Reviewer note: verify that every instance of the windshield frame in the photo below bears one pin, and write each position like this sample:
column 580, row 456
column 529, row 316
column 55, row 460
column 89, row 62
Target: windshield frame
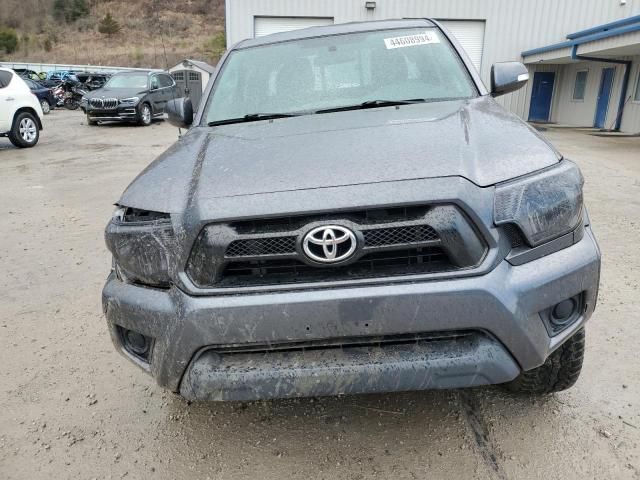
column 465, row 63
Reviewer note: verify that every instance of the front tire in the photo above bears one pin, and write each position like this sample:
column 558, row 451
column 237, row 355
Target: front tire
column 71, row 104
column 46, row 108
column 91, row 123
column 144, row 115
column 25, row 131
column 559, row 372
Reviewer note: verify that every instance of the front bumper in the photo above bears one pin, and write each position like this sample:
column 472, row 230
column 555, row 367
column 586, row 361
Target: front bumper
column 505, row 305
column 120, row 114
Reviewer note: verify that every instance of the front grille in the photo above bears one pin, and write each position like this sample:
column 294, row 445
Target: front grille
column 255, row 247
column 103, row 103
column 395, row 241
column 378, row 264
column 379, row 237
column 374, row 341
column 361, row 217
column 399, row 236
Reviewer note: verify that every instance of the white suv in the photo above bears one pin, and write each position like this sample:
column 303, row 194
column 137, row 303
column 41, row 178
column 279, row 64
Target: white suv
column 20, row 111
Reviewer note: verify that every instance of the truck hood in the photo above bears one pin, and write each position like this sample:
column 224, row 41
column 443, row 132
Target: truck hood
column 475, row 139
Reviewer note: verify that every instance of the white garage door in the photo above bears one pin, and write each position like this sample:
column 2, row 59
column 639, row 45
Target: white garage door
column 267, row 25
column 470, row 34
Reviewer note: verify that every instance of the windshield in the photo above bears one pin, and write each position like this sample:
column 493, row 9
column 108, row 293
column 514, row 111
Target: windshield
column 128, row 81
column 340, row 70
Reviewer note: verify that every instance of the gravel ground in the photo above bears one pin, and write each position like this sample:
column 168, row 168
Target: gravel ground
column 70, row 407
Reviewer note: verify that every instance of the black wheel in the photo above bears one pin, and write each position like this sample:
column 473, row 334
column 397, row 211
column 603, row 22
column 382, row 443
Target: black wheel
column 46, row 108
column 144, row 115
column 559, row 372
column 90, row 122
column 71, row 104
column 25, row 131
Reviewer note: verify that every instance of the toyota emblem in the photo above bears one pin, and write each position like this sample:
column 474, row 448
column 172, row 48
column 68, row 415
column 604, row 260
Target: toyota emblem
column 329, row 244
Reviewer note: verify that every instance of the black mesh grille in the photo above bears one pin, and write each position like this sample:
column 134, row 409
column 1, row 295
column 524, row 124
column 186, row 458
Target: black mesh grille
column 394, row 241
column 361, row 217
column 399, row 235
column 345, row 342
column 261, row 246
column 396, row 262
column 380, row 237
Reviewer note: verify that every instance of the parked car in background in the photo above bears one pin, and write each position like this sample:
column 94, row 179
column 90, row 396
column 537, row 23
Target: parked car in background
column 93, row 81
column 351, row 211
column 71, row 91
column 27, row 73
column 21, row 113
column 137, row 96
column 45, row 95
column 55, row 77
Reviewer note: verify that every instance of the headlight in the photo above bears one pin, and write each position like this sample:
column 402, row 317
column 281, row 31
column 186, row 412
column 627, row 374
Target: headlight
column 130, row 101
column 544, row 206
column 141, row 242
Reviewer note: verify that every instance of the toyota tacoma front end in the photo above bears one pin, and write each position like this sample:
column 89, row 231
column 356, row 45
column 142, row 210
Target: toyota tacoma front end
column 351, row 211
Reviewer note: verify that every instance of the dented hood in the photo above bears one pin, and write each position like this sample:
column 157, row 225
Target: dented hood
column 475, row 139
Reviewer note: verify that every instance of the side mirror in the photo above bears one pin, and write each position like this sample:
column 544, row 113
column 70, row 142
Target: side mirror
column 180, row 111
column 507, row 77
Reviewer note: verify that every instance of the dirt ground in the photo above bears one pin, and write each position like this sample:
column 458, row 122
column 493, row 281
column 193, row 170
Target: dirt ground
column 71, row 407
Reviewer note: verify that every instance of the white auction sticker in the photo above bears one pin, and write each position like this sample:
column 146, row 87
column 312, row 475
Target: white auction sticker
column 412, row 40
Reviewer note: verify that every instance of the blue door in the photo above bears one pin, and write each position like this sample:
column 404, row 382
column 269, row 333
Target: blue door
column 604, row 92
column 541, row 96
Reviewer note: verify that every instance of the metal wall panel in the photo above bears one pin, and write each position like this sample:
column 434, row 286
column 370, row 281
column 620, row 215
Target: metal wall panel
column 266, row 25
column 511, row 26
column 470, row 35
column 631, row 117
column 581, row 113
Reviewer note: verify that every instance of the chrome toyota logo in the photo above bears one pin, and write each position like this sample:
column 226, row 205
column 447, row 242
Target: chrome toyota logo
column 329, row 244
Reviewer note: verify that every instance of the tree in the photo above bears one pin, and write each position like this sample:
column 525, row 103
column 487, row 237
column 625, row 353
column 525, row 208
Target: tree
column 108, row 25
column 60, row 10
column 78, row 8
column 8, row 40
column 215, row 46
column 70, row 10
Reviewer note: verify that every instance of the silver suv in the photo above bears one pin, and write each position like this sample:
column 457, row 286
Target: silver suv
column 351, row 211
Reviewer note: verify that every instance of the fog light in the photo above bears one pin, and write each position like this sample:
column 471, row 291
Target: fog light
column 562, row 315
column 563, row 311
column 136, row 343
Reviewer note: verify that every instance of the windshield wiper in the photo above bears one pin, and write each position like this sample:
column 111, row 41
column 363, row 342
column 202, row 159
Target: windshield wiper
column 253, row 117
column 372, row 104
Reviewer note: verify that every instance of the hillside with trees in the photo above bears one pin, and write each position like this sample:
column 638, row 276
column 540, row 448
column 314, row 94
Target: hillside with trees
column 133, row 33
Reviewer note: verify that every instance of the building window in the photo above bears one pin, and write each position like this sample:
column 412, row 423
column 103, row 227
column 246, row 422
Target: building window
column 581, row 85
column 636, row 95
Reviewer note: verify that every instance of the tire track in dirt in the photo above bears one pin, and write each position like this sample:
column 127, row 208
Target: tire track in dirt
column 488, row 451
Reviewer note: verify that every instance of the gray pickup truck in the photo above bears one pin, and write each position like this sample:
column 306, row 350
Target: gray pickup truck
column 351, row 211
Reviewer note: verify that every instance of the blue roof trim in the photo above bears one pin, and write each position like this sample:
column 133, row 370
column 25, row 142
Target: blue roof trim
column 584, row 39
column 548, row 48
column 604, row 27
